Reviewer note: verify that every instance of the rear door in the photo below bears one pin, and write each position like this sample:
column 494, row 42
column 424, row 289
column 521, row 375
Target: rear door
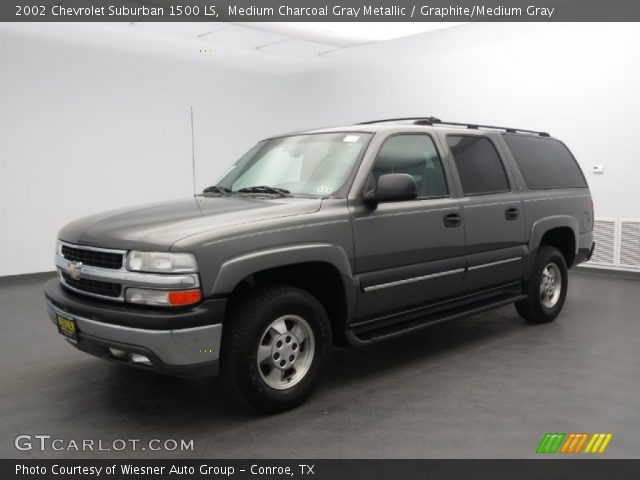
column 492, row 210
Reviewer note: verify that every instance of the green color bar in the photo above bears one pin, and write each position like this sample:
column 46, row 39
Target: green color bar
column 557, row 443
column 543, row 443
column 550, row 442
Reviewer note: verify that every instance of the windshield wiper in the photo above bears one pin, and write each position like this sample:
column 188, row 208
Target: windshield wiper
column 216, row 189
column 283, row 192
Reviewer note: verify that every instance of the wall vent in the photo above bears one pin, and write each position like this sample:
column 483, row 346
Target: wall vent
column 630, row 243
column 604, row 234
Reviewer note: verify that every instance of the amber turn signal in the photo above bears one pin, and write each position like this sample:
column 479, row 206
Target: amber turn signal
column 186, row 297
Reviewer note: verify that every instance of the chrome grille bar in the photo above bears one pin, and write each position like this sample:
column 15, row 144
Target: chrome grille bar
column 120, row 276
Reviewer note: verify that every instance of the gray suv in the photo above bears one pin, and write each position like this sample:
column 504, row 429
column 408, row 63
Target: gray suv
column 344, row 236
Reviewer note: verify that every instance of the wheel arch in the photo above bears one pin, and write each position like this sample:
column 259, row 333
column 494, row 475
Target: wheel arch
column 560, row 231
column 322, row 269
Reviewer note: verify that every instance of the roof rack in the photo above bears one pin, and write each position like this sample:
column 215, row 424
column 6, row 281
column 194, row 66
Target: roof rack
column 434, row 120
column 426, row 120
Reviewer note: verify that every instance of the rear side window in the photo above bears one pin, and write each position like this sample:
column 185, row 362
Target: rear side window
column 545, row 162
column 479, row 165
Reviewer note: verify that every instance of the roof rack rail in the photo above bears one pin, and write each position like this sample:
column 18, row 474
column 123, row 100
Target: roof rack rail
column 474, row 126
column 425, row 120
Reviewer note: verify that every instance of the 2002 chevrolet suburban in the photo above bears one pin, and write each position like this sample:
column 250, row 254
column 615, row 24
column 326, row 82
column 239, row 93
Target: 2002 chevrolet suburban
column 344, row 235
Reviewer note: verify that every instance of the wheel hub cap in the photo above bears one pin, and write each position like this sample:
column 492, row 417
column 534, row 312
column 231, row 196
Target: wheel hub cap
column 550, row 285
column 285, row 351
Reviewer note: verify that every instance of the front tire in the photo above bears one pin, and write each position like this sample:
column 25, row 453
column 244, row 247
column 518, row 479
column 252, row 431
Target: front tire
column 276, row 344
column 546, row 288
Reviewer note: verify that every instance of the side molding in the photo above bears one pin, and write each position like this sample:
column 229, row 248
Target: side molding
column 233, row 271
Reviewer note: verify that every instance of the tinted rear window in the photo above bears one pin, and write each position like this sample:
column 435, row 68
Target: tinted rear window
column 479, row 166
column 545, row 162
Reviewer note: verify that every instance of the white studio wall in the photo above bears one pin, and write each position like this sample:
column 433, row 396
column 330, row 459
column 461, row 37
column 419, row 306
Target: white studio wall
column 94, row 119
column 577, row 81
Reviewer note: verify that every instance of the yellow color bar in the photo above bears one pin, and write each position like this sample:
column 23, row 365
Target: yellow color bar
column 606, row 441
column 599, row 441
column 591, row 442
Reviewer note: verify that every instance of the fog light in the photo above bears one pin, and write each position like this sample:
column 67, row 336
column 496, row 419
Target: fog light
column 119, row 353
column 163, row 297
column 139, row 359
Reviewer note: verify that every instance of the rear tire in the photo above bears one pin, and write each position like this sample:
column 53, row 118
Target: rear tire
column 546, row 288
column 276, row 345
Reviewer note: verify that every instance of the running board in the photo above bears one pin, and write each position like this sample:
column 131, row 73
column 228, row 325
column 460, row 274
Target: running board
column 373, row 332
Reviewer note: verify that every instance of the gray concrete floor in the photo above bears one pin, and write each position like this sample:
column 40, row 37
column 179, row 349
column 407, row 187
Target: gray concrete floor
column 486, row 386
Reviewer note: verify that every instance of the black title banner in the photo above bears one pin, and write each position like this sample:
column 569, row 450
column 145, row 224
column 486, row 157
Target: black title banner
column 319, row 10
column 318, row 469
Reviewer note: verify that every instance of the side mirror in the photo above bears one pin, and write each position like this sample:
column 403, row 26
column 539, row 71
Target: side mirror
column 392, row 187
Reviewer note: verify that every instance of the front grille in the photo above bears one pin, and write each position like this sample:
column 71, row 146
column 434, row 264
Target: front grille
column 92, row 257
column 91, row 286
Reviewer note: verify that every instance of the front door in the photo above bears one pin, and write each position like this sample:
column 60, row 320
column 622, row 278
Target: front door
column 408, row 253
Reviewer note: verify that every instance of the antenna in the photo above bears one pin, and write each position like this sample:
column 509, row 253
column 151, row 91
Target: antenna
column 193, row 155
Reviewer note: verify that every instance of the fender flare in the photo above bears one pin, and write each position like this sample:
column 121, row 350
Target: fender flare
column 542, row 226
column 234, row 270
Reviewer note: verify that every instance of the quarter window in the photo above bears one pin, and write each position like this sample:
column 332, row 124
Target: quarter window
column 545, row 162
column 416, row 155
column 479, row 165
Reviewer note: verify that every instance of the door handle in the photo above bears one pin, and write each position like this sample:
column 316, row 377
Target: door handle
column 452, row 220
column 511, row 213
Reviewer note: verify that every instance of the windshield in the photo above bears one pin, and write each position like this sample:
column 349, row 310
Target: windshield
column 312, row 164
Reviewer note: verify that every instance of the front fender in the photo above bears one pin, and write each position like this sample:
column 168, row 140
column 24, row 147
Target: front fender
column 234, row 270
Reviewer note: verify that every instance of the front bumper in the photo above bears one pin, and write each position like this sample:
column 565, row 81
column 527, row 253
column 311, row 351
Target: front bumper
column 178, row 342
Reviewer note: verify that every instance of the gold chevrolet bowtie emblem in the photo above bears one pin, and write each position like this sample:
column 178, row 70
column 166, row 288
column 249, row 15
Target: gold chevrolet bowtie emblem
column 74, row 269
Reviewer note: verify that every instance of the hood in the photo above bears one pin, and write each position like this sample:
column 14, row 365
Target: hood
column 158, row 226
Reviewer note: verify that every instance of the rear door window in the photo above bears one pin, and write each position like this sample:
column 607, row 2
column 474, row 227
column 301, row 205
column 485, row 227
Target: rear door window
column 479, row 166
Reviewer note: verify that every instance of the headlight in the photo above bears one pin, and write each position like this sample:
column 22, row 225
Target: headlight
column 161, row 262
